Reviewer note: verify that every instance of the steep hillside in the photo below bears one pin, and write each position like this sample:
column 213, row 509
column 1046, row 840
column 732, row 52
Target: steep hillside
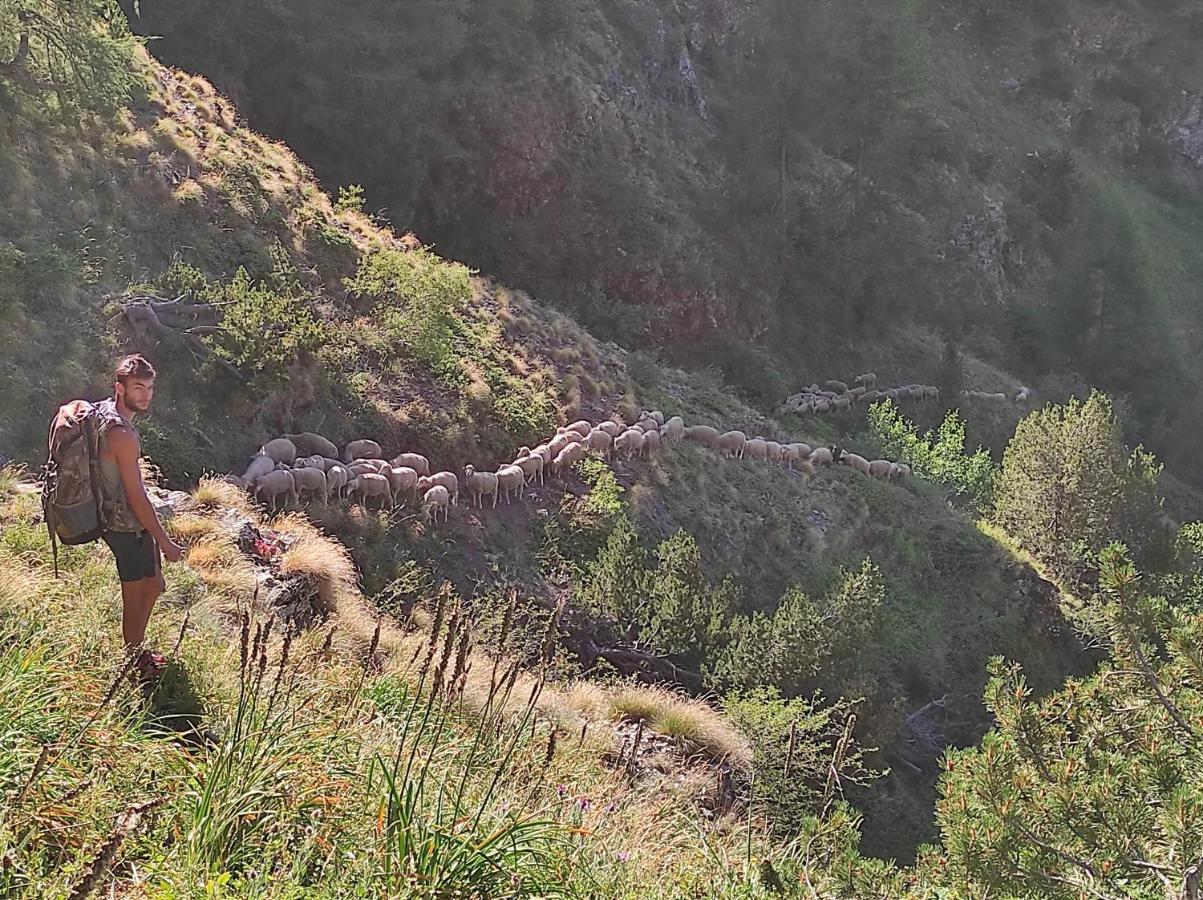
column 775, row 187
column 280, row 308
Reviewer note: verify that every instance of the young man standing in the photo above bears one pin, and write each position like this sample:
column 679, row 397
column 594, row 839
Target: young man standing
column 134, row 534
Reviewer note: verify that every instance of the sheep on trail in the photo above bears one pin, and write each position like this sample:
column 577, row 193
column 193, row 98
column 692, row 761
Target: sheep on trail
column 868, row 380
column 532, row 468
column 881, row 468
column 581, row 427
column 280, row 450
column 568, row 457
column 854, row 461
column 435, row 499
column 415, row 461
column 837, row 387
column 612, row 428
column 337, row 479
column 673, row 430
column 756, row 448
column 310, row 444
column 733, row 444
column 478, row 484
column 275, row 484
column 402, row 481
column 702, row 434
column 600, row 441
column 627, row 444
column 369, row 485
column 443, row 479
column 362, row 449
column 651, row 442
column 260, row 465
column 311, row 482
column 511, row 481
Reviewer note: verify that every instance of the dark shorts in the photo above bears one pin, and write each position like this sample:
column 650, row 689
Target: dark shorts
column 136, row 552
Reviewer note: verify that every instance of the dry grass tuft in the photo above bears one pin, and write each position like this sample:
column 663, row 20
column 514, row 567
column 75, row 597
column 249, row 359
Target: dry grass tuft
column 220, row 565
column 213, row 493
column 189, row 192
column 694, row 723
column 318, row 557
column 191, row 529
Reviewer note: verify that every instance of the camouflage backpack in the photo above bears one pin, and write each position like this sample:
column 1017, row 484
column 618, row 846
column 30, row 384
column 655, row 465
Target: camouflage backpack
column 75, row 509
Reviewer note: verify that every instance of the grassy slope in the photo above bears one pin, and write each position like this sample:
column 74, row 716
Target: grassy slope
column 179, row 176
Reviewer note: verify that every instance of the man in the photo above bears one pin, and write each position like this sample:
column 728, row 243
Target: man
column 135, row 534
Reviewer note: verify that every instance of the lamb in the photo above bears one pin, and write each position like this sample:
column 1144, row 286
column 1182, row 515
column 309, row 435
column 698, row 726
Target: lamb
column 562, row 440
column 371, row 484
column 651, row 442
column 281, row 450
column 854, row 461
column 582, row 427
column 881, row 468
column 274, row 484
column 511, row 480
column 480, row 483
column 415, row 461
column 702, row 434
column 822, row 456
column 673, row 430
column 628, row 443
column 311, row 482
column 402, row 480
column 774, row 452
column 260, row 465
column 756, row 448
column 796, row 453
column 444, row 479
column 362, row 449
column 838, row 387
column 868, row 380
column 532, row 467
column 436, row 498
column 612, row 428
column 337, row 478
column 600, row 441
column 733, row 443
column 310, row 444
column 567, row 457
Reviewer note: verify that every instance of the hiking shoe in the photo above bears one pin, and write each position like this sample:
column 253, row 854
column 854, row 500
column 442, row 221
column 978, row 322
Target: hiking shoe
column 148, row 668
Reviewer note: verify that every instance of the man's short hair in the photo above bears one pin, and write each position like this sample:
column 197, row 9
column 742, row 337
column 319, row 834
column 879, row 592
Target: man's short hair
column 134, row 366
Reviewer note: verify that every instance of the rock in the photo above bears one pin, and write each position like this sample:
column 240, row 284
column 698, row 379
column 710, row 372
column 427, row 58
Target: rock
column 1184, row 131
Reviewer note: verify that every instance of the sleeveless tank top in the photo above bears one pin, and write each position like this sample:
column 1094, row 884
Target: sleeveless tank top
column 117, row 508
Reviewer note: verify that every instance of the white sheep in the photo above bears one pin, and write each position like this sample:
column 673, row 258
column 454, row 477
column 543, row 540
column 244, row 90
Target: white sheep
column 702, row 434
column 415, row 461
column 842, row 403
column 733, row 443
column 532, row 467
column 868, row 380
column 854, row 461
column 581, row 427
column 881, row 468
column 371, row 484
column 337, row 479
column 511, row 481
column 658, row 416
column 774, row 451
column 837, row 387
column 562, row 440
column 1023, row 395
column 612, row 428
column 402, row 481
column 436, row 498
column 281, row 450
column 275, row 484
column 651, row 442
column 362, row 449
column 310, row 444
column 673, row 430
column 310, row 462
column 478, row 484
column 757, row 448
column 445, row 479
column 900, row 470
column 822, row 456
column 374, row 466
column 628, row 443
column 600, row 441
column 311, row 482
column 260, row 465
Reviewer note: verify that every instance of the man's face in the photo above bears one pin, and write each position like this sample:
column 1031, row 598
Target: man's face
column 136, row 393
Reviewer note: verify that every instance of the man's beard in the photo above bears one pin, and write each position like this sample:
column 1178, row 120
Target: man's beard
column 132, row 407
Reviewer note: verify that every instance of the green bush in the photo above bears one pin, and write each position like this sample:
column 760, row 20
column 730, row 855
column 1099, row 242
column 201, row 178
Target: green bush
column 416, row 295
column 1067, row 488
column 940, row 457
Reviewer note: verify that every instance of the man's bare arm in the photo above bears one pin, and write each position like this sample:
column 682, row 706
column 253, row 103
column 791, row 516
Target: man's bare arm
column 124, row 445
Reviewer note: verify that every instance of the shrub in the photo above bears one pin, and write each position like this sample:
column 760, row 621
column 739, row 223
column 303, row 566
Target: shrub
column 1066, row 488
column 416, row 296
column 350, row 198
column 939, row 457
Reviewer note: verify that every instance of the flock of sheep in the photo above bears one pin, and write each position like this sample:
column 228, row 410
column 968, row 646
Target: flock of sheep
column 835, row 396
column 308, row 466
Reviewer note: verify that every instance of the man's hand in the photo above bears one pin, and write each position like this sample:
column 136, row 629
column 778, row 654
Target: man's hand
column 172, row 550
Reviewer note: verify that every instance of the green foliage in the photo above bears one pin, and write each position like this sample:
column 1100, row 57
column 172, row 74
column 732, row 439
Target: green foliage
column 1066, row 488
column 795, row 744
column 37, row 277
column 940, row 457
column 1095, row 790
column 415, row 295
column 71, row 55
column 266, row 326
column 350, row 198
